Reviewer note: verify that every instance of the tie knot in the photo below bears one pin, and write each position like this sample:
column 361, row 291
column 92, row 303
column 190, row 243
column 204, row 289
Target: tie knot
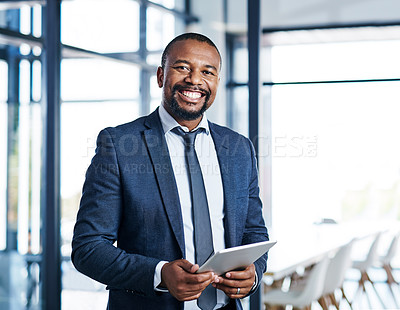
column 189, row 137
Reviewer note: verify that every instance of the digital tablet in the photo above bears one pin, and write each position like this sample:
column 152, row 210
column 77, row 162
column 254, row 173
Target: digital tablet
column 235, row 258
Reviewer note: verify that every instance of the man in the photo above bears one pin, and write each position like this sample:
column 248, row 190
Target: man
column 142, row 191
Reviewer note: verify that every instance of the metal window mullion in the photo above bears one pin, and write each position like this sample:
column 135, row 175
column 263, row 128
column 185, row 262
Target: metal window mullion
column 253, row 33
column 51, row 262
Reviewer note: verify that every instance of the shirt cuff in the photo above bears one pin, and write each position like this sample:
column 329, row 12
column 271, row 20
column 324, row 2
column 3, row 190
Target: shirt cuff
column 157, row 277
column 254, row 284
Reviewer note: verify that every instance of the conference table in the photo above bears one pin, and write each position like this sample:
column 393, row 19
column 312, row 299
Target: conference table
column 304, row 246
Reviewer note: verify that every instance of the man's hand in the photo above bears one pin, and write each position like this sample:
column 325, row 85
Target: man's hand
column 233, row 280
column 182, row 282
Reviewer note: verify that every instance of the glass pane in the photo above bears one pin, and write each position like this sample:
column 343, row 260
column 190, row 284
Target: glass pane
column 3, row 153
column 240, row 68
column 155, row 93
column 37, row 21
column 240, row 110
column 3, row 81
column 336, row 61
column 102, row 26
column 3, row 19
column 25, row 20
column 93, row 79
column 23, row 157
column 154, row 59
column 180, row 5
column 14, row 280
column 80, row 124
column 241, row 65
column 167, row 3
column 335, row 150
column 20, row 156
column 160, row 29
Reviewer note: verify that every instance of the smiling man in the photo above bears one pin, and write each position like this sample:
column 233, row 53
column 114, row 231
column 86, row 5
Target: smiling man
column 171, row 189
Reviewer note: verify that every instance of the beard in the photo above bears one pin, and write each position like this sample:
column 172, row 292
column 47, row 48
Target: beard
column 182, row 113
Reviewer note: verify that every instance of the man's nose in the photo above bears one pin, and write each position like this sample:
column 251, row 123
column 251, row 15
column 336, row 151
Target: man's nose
column 194, row 77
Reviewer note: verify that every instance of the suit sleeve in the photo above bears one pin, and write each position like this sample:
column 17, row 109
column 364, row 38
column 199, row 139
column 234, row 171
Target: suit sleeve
column 255, row 230
column 96, row 229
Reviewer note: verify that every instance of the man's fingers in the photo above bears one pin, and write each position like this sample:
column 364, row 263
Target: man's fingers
column 191, row 297
column 185, row 265
column 233, row 292
column 194, row 268
column 181, row 282
column 190, row 268
column 236, row 284
column 242, row 274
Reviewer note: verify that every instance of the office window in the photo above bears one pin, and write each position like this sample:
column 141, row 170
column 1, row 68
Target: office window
column 333, row 129
column 336, row 61
column 334, row 152
column 96, row 94
column 95, row 79
column 160, row 27
column 101, row 26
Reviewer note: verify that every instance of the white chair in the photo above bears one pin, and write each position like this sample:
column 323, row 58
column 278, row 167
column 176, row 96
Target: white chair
column 363, row 265
column 300, row 299
column 385, row 262
column 335, row 275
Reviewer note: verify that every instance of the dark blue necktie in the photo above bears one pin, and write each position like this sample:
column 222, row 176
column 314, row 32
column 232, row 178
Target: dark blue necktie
column 203, row 243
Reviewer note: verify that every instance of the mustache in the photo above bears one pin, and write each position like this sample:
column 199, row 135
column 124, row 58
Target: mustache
column 178, row 87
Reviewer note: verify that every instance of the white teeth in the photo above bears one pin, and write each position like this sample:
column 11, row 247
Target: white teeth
column 192, row 95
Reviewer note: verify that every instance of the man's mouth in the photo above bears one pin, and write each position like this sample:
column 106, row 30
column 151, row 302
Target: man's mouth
column 191, row 94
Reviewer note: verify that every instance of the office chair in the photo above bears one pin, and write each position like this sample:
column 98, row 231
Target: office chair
column 335, row 275
column 300, row 299
column 363, row 265
column 385, row 262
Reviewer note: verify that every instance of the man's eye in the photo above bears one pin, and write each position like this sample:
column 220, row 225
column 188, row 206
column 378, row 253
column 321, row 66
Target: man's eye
column 208, row 73
column 183, row 68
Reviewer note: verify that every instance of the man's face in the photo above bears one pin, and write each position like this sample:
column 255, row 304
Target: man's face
column 190, row 79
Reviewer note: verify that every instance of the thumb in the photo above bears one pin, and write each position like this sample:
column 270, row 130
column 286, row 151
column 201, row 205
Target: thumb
column 188, row 266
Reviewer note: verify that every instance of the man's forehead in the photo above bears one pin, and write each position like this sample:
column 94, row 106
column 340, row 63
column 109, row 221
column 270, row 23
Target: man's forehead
column 186, row 50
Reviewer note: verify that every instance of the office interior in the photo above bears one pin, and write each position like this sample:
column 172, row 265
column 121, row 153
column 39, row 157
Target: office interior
column 314, row 84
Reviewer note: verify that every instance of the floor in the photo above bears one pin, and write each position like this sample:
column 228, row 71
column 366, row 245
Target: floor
column 370, row 300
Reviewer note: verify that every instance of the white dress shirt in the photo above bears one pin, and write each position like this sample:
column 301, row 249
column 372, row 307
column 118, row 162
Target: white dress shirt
column 207, row 156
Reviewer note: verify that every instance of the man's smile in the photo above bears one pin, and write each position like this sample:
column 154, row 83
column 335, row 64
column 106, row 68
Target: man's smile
column 191, row 94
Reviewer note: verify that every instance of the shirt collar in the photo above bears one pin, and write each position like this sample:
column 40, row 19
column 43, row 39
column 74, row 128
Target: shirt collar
column 168, row 122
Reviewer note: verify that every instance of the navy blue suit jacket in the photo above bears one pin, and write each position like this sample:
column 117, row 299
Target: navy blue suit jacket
column 130, row 216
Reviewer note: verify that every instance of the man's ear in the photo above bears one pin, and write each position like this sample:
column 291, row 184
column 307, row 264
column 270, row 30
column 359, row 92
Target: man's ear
column 160, row 77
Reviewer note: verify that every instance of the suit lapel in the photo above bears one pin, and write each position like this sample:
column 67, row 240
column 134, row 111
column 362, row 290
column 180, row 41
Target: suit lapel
column 226, row 165
column 158, row 150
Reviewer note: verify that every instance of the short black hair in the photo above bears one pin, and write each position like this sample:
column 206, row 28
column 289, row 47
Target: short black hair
column 188, row 36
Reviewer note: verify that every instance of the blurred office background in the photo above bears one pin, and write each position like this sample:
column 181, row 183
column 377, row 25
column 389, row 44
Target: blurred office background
column 322, row 108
